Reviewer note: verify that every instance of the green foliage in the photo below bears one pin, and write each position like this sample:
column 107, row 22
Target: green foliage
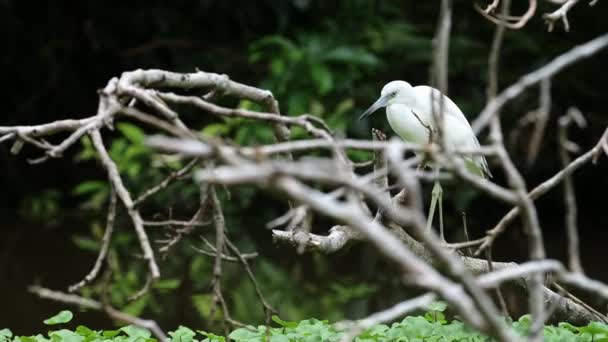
column 314, row 73
column 306, row 330
column 62, row 317
column 182, row 334
column 44, row 206
column 5, row 335
column 435, row 313
column 412, row 328
column 310, row 67
column 138, row 166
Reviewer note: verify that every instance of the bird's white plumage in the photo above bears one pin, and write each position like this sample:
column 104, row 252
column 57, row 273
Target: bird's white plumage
column 409, row 109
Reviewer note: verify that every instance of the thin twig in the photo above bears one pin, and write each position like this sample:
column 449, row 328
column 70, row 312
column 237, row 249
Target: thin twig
column 466, row 233
column 497, row 291
column 268, row 309
column 174, row 175
column 224, row 256
column 560, row 13
column 574, row 258
column 187, row 228
column 220, row 230
column 504, row 20
column 105, row 245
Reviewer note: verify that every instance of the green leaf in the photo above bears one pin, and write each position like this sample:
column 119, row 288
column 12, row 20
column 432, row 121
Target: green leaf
column 568, row 326
column 64, row 335
column 595, row 328
column 62, row 317
column 133, row 331
column 243, row 104
column 86, row 243
column 351, row 56
column 246, row 334
column 322, row 77
column 277, row 67
column 5, row 334
column 344, row 106
column 273, row 41
column 182, row 334
column 87, row 152
column 286, row 324
column 133, row 133
column 216, row 129
column 86, row 332
column 167, row 284
column 110, row 333
column 279, row 338
column 203, row 303
column 88, row 187
column 136, row 307
column 437, row 306
column 212, row 337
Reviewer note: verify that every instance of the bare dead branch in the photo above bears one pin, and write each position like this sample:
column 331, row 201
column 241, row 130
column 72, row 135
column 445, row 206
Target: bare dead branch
column 153, row 121
column 337, row 238
column 305, row 121
column 125, row 197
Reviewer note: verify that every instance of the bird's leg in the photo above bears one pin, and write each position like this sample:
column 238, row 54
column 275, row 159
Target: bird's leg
column 440, row 196
column 436, row 196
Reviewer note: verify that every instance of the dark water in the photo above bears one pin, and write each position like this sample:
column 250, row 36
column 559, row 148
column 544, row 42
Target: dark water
column 34, row 254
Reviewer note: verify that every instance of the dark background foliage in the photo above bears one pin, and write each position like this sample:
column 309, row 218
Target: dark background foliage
column 329, row 58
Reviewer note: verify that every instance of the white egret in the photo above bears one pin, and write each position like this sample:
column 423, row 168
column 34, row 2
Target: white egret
column 409, row 111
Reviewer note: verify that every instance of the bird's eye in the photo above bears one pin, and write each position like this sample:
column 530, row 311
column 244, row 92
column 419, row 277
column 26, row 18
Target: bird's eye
column 394, row 94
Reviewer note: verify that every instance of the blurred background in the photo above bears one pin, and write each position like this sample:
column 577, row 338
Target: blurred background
column 328, row 58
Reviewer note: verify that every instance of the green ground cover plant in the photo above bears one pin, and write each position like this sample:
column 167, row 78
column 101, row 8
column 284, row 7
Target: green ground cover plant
column 432, row 326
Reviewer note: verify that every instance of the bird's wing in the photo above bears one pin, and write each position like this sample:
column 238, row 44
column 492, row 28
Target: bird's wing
column 449, row 107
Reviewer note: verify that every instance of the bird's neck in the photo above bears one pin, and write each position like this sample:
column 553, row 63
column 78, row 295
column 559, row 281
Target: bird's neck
column 406, row 100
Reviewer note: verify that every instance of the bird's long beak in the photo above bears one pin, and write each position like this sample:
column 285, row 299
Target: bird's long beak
column 381, row 102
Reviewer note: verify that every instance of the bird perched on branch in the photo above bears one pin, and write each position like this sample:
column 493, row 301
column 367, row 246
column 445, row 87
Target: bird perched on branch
column 411, row 111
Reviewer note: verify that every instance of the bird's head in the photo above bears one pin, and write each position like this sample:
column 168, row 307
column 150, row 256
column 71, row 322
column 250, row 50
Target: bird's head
column 392, row 92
